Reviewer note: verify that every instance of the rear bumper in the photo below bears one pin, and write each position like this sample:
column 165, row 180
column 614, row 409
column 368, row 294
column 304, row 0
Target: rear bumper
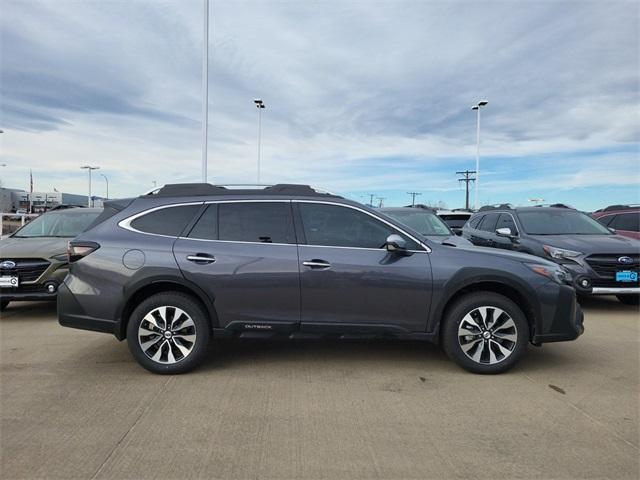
column 71, row 314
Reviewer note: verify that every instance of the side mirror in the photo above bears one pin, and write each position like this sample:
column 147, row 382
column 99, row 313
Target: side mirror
column 612, row 230
column 395, row 243
column 504, row 232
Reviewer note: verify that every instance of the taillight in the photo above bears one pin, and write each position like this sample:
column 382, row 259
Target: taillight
column 78, row 250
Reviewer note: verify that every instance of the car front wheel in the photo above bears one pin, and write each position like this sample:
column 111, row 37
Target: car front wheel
column 168, row 333
column 485, row 332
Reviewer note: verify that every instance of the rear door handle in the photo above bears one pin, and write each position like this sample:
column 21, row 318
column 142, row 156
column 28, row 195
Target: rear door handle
column 315, row 263
column 201, row 258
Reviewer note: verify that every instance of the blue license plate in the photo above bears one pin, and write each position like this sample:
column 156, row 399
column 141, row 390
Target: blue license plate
column 626, row 276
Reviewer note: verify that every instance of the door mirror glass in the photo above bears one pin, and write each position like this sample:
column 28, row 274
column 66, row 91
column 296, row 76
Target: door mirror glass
column 504, row 232
column 395, row 243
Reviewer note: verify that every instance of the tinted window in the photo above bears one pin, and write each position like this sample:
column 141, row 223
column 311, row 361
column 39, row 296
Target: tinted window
column 560, row 222
column 627, row 221
column 268, row 222
column 489, row 222
column 169, row 221
column 426, row 223
column 336, row 226
column 473, row 223
column 207, row 225
column 506, row 221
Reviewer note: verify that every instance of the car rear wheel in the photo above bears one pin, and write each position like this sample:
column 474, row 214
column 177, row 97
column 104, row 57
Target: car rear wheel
column 169, row 333
column 629, row 299
column 3, row 305
column 485, row 332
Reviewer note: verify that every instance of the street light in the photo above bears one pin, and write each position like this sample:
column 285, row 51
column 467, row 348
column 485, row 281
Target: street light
column 106, row 180
column 259, row 105
column 89, row 167
column 205, row 89
column 477, row 107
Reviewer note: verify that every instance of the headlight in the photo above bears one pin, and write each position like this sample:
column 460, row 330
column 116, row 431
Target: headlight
column 558, row 274
column 61, row 257
column 560, row 253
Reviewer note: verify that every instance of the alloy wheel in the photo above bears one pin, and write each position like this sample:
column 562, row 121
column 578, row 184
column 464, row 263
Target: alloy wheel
column 487, row 335
column 167, row 334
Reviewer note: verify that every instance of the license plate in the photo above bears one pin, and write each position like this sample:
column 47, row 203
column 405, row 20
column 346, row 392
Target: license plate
column 9, row 282
column 626, row 276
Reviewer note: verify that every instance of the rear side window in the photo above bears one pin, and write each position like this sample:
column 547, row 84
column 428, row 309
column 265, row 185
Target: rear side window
column 267, row 222
column 170, row 221
column 489, row 222
column 473, row 223
column 206, row 227
column 606, row 220
column 627, row 221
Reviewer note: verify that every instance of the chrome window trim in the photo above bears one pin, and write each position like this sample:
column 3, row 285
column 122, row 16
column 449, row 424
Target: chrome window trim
column 353, row 207
column 126, row 223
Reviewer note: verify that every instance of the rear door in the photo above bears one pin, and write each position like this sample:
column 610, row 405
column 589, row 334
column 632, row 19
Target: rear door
column 349, row 281
column 244, row 255
column 484, row 235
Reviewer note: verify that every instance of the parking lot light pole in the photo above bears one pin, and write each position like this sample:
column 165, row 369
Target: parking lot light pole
column 89, row 167
column 477, row 108
column 259, row 105
column 205, row 89
column 106, row 180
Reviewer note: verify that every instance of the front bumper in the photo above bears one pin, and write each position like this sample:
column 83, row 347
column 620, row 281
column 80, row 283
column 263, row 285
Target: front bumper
column 71, row 314
column 562, row 318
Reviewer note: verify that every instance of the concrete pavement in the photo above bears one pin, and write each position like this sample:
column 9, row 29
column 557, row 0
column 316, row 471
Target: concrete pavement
column 74, row 404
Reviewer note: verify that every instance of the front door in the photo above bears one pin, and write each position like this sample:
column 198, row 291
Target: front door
column 244, row 255
column 350, row 281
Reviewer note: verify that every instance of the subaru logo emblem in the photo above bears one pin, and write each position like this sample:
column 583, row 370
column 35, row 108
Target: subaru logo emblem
column 625, row 260
column 7, row 265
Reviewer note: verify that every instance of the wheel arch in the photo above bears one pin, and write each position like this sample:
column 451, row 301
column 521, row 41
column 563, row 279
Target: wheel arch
column 141, row 290
column 509, row 288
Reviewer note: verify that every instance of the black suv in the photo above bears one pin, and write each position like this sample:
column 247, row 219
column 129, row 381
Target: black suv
column 169, row 270
column 600, row 262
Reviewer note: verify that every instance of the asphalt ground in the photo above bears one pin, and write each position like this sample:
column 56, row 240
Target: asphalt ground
column 74, row 404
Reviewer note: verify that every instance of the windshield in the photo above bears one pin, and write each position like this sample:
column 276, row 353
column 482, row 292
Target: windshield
column 554, row 222
column 425, row 223
column 58, row 224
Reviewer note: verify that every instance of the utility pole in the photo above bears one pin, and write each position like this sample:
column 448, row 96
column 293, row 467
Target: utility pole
column 371, row 195
column 413, row 197
column 466, row 179
column 380, row 201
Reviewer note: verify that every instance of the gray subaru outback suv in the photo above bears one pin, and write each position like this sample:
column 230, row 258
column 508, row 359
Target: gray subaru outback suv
column 169, row 270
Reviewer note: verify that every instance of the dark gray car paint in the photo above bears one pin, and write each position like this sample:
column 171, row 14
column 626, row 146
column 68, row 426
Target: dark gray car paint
column 259, row 283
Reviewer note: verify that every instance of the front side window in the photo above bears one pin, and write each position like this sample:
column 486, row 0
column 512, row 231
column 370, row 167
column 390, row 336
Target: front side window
column 560, row 222
column 265, row 222
column 506, row 221
column 170, row 221
column 629, row 222
column 58, row 224
column 337, row 226
column 489, row 222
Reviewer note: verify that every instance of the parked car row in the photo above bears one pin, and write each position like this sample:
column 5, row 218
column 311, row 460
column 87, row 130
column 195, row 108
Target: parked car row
column 170, row 269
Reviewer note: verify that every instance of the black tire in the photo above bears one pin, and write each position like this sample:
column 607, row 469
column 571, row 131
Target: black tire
column 497, row 341
column 172, row 346
column 3, row 305
column 629, row 299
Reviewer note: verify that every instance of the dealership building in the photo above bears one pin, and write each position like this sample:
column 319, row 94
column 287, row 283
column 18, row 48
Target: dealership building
column 12, row 199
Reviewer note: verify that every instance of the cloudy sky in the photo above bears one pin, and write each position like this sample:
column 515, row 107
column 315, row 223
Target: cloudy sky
column 362, row 96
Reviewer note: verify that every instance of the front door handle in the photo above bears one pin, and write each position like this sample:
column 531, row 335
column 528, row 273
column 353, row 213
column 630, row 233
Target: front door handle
column 201, row 258
column 315, row 263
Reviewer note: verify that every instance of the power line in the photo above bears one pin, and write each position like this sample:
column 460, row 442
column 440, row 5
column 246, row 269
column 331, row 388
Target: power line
column 413, row 197
column 467, row 179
